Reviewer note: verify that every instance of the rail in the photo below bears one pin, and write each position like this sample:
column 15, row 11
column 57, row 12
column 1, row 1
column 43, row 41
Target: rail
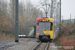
column 40, row 43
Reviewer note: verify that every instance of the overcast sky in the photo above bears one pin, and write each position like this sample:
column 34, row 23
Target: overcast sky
column 67, row 8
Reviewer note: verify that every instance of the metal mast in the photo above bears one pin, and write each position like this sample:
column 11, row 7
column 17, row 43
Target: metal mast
column 60, row 17
column 51, row 12
column 46, row 8
column 16, row 21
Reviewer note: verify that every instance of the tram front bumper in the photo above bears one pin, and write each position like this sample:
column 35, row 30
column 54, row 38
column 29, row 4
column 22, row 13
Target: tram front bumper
column 44, row 37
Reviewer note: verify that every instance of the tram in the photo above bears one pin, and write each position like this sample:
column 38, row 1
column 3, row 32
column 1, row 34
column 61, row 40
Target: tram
column 44, row 29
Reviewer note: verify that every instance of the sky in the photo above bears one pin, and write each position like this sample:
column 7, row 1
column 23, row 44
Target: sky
column 67, row 8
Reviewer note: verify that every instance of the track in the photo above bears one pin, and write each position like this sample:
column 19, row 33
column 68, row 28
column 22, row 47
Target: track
column 41, row 46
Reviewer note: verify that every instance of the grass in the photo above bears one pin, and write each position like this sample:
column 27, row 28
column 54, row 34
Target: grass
column 9, row 38
column 67, row 37
column 6, row 38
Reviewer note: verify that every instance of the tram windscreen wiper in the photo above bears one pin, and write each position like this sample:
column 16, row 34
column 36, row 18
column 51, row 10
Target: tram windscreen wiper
column 46, row 28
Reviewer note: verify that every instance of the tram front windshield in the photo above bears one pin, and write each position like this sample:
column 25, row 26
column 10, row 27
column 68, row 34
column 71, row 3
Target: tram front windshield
column 44, row 26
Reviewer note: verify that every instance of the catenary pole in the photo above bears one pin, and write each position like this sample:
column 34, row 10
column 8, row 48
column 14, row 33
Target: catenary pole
column 60, row 17
column 70, row 18
column 51, row 12
column 16, row 22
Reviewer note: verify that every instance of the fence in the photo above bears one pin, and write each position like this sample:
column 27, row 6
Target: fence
column 68, row 21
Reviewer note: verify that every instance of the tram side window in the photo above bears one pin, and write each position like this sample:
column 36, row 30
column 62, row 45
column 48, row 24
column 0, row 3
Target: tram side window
column 51, row 26
column 38, row 23
column 38, row 26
